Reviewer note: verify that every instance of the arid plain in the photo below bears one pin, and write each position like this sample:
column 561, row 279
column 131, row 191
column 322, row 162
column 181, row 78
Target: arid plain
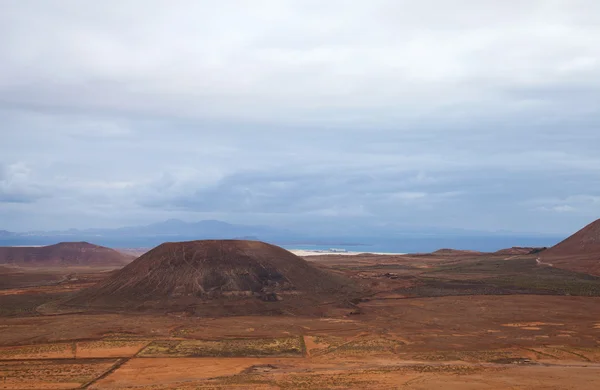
column 450, row 319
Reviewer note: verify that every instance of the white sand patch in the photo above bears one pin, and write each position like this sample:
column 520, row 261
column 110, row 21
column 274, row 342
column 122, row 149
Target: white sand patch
column 304, row 253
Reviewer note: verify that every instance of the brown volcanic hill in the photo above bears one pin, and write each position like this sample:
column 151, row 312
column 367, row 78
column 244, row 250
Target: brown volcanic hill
column 585, row 241
column 218, row 277
column 519, row 250
column 63, row 254
column 579, row 252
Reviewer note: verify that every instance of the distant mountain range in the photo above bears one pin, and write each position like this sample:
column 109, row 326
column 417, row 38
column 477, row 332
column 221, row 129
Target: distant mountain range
column 172, row 229
column 393, row 238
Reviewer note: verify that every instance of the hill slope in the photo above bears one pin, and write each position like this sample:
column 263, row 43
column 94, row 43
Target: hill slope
column 217, row 277
column 519, row 250
column 579, row 252
column 63, row 254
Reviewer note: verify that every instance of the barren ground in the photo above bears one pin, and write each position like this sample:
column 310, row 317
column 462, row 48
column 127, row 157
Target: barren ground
column 430, row 321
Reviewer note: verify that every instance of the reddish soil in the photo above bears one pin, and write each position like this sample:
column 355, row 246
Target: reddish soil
column 461, row 321
column 450, row 342
column 63, row 254
column 167, row 371
column 107, row 349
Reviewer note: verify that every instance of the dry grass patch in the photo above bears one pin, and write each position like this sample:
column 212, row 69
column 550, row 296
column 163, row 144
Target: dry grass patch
column 51, row 374
column 42, row 351
column 469, row 356
column 381, row 378
column 361, row 346
column 565, row 353
column 285, row 346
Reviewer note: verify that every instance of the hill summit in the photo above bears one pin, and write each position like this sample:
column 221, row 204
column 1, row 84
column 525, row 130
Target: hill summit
column 63, row 254
column 579, row 252
column 216, row 277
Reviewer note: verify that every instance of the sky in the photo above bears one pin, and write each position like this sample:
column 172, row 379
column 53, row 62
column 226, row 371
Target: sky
column 469, row 114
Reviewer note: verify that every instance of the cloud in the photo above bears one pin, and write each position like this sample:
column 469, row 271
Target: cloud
column 291, row 62
column 295, row 191
column 15, row 185
column 579, row 204
column 558, row 209
column 463, row 114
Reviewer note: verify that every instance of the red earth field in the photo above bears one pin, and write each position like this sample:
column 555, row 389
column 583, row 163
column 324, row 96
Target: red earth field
column 446, row 320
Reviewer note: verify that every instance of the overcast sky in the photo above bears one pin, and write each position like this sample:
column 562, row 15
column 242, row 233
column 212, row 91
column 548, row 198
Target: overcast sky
column 473, row 114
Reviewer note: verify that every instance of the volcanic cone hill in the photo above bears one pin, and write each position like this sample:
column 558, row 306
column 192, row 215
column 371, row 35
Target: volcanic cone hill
column 580, row 252
column 63, row 254
column 217, row 277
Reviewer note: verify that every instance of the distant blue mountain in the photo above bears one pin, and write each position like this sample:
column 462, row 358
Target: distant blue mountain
column 176, row 227
column 207, row 228
column 390, row 238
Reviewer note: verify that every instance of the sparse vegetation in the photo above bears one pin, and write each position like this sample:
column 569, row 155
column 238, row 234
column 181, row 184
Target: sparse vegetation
column 500, row 277
column 362, row 346
column 290, row 346
column 25, row 304
column 36, row 351
column 27, row 374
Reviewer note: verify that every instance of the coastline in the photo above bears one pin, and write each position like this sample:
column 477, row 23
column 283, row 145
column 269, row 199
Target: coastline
column 305, row 253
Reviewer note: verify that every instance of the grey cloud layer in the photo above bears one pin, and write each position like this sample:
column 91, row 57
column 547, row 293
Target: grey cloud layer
column 478, row 114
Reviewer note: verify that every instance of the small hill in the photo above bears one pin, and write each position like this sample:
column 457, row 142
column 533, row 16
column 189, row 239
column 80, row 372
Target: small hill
column 579, row 252
column 218, row 277
column 63, row 254
column 519, row 250
column 455, row 252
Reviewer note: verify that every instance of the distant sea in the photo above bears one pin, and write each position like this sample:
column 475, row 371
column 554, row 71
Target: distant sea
column 368, row 244
column 430, row 244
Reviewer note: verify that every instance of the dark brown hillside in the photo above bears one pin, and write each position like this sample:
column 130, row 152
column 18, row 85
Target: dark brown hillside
column 218, row 277
column 580, row 252
column 63, row 254
column 519, row 250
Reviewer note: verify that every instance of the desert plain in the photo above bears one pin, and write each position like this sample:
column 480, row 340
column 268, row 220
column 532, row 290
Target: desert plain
column 450, row 319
